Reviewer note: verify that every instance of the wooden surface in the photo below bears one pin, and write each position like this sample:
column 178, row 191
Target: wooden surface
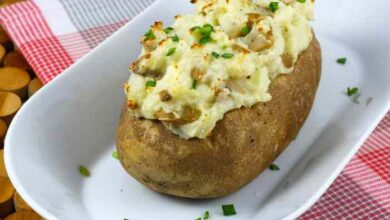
column 24, row 215
column 3, row 131
column 3, row 173
column 15, row 87
column 11, row 1
column 20, row 204
column 4, row 38
column 14, row 59
column 34, row 86
column 6, row 196
column 2, row 53
column 10, row 103
column 14, row 80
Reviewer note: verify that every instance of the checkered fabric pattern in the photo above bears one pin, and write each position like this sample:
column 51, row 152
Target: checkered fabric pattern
column 53, row 34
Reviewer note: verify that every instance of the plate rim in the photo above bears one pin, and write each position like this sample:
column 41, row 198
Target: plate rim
column 7, row 152
column 326, row 185
column 47, row 215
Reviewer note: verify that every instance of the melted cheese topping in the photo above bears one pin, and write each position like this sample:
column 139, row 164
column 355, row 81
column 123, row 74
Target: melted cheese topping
column 221, row 58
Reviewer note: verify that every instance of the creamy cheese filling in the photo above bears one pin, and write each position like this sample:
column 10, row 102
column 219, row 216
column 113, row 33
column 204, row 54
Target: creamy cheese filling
column 222, row 57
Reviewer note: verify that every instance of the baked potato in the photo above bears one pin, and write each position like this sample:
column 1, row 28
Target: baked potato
column 241, row 146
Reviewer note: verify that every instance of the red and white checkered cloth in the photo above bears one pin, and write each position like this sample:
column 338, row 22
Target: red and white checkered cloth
column 53, row 34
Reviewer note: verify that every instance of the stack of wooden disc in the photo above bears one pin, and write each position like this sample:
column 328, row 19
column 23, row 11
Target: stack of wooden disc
column 17, row 83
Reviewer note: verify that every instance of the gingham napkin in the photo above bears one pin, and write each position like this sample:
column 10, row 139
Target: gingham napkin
column 53, row 34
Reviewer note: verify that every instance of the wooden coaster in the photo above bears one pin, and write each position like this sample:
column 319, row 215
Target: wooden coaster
column 16, row 48
column 24, row 215
column 3, row 131
column 2, row 53
column 34, row 86
column 3, row 172
column 3, row 5
column 11, row 1
column 15, row 59
column 20, row 204
column 4, row 38
column 6, row 196
column 9, row 105
column 14, row 80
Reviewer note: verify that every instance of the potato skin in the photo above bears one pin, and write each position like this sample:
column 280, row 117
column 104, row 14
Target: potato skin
column 241, row 146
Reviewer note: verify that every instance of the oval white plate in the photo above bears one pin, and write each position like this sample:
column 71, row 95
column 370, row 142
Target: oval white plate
column 72, row 121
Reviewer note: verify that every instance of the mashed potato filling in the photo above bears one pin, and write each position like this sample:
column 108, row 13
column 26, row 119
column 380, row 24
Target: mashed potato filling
column 221, row 58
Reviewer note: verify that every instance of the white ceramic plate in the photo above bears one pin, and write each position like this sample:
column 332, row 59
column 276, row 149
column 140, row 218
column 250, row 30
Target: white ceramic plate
column 73, row 120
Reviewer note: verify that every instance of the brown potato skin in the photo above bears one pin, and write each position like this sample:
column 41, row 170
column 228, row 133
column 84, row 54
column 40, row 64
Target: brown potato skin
column 241, row 146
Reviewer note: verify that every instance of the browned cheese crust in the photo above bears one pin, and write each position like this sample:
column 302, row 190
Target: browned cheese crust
column 240, row 147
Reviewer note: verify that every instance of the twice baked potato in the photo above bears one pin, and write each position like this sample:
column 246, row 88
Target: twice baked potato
column 240, row 146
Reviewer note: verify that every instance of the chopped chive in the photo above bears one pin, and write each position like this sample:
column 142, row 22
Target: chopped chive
column 171, row 51
column 84, row 171
column 151, row 83
column 206, row 215
column 206, row 30
column 273, row 6
column 352, row 91
column 199, row 218
column 301, row 1
column 168, row 30
column 342, row 60
column 194, row 84
column 149, row 35
column 245, row 30
column 175, row 38
column 228, row 210
column 205, row 40
column 224, row 47
column 194, row 28
column 115, row 155
column 274, row 167
column 215, row 54
column 227, row 55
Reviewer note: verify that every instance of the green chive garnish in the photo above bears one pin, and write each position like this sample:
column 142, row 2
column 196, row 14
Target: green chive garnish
column 301, row 1
column 227, row 55
column 228, row 210
column 204, row 40
column 245, row 30
column 199, row 218
column 168, row 30
column 171, row 51
column 274, row 167
column 194, row 28
column 206, row 215
column 149, row 35
column 342, row 60
column 175, row 38
column 206, row 30
column 224, row 47
column 151, row 83
column 273, row 6
column 215, row 54
column 84, row 171
column 352, row 91
column 115, row 155
column 194, row 84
